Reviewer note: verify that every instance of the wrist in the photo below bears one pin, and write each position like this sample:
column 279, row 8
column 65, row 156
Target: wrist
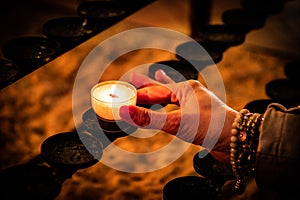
column 243, row 146
column 221, row 150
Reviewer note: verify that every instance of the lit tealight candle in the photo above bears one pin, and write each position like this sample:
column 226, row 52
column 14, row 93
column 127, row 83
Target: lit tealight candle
column 107, row 98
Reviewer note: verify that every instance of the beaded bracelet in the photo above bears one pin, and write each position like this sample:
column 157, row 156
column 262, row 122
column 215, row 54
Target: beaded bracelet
column 243, row 146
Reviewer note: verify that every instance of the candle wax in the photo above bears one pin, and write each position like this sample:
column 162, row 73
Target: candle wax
column 108, row 98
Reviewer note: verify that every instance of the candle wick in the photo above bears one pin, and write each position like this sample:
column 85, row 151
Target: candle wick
column 113, row 95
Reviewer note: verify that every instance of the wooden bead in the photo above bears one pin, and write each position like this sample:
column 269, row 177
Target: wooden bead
column 233, row 150
column 233, row 139
column 234, row 131
column 233, row 145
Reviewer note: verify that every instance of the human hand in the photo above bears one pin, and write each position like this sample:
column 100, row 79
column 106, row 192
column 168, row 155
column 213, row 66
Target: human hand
column 202, row 118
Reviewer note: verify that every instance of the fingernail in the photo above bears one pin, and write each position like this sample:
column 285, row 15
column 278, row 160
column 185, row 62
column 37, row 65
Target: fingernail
column 161, row 71
column 127, row 112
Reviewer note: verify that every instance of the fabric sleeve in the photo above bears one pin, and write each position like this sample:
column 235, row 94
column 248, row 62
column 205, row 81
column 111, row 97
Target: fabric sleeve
column 278, row 152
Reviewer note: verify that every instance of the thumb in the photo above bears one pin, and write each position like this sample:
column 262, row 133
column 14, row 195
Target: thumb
column 149, row 119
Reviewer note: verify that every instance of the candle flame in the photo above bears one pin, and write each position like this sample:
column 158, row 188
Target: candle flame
column 113, row 95
column 112, row 92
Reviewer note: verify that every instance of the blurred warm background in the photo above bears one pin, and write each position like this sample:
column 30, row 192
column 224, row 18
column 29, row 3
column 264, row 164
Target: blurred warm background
column 38, row 106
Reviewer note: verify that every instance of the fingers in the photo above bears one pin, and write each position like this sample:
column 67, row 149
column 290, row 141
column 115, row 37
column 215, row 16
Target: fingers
column 149, row 119
column 162, row 77
column 140, row 80
column 154, row 94
column 151, row 91
column 174, row 122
